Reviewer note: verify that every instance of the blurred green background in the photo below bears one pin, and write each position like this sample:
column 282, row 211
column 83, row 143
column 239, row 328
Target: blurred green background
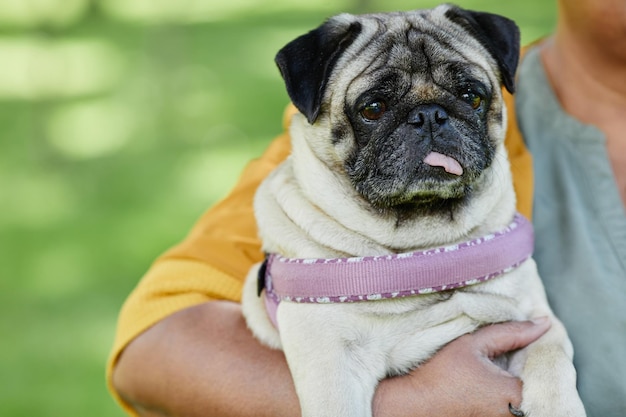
column 121, row 121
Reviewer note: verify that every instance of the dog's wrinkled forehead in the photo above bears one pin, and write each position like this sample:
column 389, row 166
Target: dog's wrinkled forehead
column 348, row 46
column 420, row 44
column 415, row 55
column 399, row 35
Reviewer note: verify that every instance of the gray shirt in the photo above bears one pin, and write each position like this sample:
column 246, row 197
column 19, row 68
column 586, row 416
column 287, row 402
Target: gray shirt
column 580, row 230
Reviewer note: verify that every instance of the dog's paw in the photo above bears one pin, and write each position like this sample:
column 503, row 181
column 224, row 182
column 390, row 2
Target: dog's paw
column 551, row 407
column 558, row 399
column 550, row 381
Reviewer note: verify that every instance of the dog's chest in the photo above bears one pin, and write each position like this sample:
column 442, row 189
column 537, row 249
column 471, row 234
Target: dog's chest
column 392, row 335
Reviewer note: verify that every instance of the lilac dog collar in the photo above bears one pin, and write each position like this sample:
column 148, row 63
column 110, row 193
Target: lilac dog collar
column 340, row 280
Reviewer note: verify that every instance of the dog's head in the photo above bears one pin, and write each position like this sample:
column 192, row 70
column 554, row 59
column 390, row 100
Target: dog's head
column 408, row 104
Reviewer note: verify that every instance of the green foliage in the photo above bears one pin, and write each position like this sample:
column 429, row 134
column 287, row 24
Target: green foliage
column 120, row 123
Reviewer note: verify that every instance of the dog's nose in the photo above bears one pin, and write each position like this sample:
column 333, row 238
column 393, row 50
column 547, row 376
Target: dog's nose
column 428, row 117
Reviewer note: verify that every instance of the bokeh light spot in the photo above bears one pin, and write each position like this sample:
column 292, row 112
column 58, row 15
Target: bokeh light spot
column 96, row 128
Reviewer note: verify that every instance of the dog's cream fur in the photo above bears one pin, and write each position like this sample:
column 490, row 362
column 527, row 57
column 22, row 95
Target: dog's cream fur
column 337, row 353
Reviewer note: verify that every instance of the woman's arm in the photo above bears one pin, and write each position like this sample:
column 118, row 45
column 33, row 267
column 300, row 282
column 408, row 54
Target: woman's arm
column 203, row 361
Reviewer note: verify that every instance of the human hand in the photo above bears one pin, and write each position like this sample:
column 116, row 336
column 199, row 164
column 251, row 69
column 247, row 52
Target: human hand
column 461, row 379
column 199, row 361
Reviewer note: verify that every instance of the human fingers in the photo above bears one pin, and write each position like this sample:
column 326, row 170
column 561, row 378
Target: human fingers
column 501, row 338
column 460, row 380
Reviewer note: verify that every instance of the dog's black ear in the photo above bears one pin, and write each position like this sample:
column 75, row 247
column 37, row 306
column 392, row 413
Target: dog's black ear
column 499, row 35
column 307, row 62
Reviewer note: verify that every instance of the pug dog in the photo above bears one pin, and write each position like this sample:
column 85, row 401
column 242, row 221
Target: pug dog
column 398, row 158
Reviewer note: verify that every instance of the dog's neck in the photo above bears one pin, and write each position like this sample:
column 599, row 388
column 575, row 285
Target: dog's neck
column 328, row 218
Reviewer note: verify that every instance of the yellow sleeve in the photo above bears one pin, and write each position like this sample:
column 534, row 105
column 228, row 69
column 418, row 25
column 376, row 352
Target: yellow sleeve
column 520, row 159
column 210, row 263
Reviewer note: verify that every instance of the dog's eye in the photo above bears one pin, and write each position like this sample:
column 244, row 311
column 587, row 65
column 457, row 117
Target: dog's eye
column 472, row 99
column 374, row 110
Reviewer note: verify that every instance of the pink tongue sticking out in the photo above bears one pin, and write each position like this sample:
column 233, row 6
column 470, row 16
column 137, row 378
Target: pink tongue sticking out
column 451, row 165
